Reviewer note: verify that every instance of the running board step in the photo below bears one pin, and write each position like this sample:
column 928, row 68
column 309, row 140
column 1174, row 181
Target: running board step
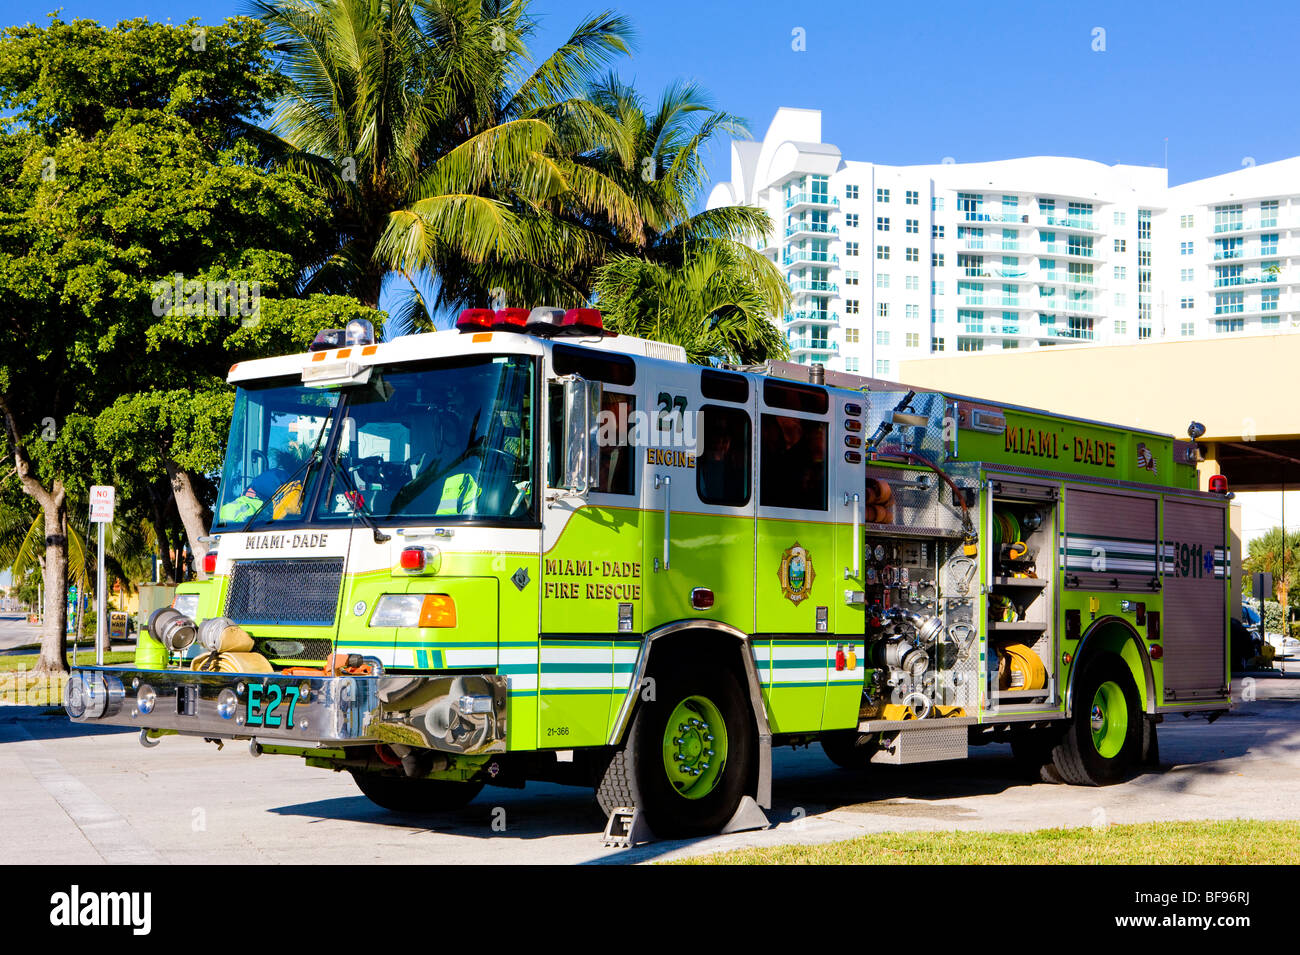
column 922, row 746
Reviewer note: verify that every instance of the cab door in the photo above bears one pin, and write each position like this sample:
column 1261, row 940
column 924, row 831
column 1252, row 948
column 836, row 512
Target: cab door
column 798, row 572
column 698, row 498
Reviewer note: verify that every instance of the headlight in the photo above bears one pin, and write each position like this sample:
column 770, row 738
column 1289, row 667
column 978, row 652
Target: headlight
column 414, row 610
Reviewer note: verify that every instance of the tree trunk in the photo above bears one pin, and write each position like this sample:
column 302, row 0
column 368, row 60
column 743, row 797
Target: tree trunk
column 190, row 509
column 54, row 635
column 167, row 570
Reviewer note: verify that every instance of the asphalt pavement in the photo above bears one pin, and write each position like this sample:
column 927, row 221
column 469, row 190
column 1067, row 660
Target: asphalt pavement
column 80, row 795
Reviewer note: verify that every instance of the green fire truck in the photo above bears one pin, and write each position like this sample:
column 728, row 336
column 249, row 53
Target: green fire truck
column 531, row 549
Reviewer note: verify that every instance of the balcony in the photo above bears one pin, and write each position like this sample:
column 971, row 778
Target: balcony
column 812, row 318
column 809, row 257
column 807, row 286
column 1234, row 228
column 992, row 243
column 1079, row 223
column 811, row 228
column 1010, row 218
column 1070, row 252
column 805, row 346
column 1235, row 280
column 1068, row 278
column 811, row 200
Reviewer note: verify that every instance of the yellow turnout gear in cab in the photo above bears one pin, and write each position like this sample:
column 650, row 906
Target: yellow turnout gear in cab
column 459, row 495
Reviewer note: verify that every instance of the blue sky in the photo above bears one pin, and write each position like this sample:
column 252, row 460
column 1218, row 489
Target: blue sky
column 916, row 82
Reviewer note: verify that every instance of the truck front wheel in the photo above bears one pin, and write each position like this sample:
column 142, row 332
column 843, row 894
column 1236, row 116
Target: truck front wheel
column 688, row 757
column 398, row 793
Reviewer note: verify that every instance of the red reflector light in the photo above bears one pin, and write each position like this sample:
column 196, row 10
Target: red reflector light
column 701, row 598
column 1218, row 484
column 585, row 319
column 412, row 558
column 210, row 562
column 1157, row 651
column 475, row 320
column 511, row 319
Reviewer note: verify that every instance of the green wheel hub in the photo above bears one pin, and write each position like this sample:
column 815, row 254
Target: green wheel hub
column 1109, row 719
column 695, row 747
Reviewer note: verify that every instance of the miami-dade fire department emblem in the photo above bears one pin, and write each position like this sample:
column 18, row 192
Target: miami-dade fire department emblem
column 796, row 573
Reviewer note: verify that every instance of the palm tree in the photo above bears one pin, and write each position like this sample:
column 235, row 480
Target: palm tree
column 437, row 136
column 1278, row 555
column 718, row 305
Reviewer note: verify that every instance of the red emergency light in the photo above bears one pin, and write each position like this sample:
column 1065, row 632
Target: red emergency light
column 1218, row 484
column 584, row 320
column 412, row 559
column 510, row 319
column 475, row 320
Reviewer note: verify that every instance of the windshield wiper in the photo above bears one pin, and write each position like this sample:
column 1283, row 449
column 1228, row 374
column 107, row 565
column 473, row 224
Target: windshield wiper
column 302, row 471
column 357, row 503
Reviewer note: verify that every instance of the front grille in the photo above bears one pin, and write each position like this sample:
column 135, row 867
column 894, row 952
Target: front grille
column 289, row 591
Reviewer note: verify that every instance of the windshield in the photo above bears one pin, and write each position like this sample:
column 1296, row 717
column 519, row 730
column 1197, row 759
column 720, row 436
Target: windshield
column 273, row 432
column 445, row 441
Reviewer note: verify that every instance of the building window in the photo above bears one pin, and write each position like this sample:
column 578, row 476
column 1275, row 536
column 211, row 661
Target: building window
column 1120, row 326
column 1144, row 223
column 850, row 192
column 1186, row 222
column 936, row 260
column 1268, row 213
column 936, row 344
column 936, row 203
column 1047, row 206
column 882, row 280
column 882, row 338
column 912, row 339
column 1121, row 273
column 1120, row 245
column 882, row 195
column 882, row 223
column 1227, row 218
column 914, row 226
column 912, row 283
column 1222, row 325
column 1186, row 303
column 850, row 248
column 1120, row 218
column 936, row 288
column 851, row 336
column 851, row 220
column 882, row 366
column 1268, row 244
column 882, row 309
column 1268, row 300
column 936, row 316
column 1226, row 303
column 936, row 232
column 913, row 198
column 850, row 277
column 1187, row 328
column 851, row 306
column 911, row 311
column 1080, row 245
column 1185, row 248
column 1186, row 275
column 913, row 254
column 882, row 253
column 850, row 364
column 793, row 463
column 970, row 344
column 1121, row 299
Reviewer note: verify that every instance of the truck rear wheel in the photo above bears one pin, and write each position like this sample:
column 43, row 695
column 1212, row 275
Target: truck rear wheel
column 849, row 749
column 1103, row 744
column 398, row 793
column 688, row 757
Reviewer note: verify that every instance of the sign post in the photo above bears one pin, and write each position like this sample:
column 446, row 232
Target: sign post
column 101, row 513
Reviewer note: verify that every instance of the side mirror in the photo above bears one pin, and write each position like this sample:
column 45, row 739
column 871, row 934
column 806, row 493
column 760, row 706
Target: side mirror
column 580, row 453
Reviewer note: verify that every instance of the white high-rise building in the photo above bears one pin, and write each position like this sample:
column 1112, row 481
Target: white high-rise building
column 888, row 263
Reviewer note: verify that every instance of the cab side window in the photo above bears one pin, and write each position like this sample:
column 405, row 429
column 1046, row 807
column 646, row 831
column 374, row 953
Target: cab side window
column 614, row 431
column 723, row 466
column 793, row 462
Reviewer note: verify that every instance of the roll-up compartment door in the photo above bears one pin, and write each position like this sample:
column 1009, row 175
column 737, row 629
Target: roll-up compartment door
column 1110, row 541
column 1195, row 624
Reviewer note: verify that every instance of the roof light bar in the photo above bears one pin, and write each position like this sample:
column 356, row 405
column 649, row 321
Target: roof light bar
column 511, row 319
column 475, row 320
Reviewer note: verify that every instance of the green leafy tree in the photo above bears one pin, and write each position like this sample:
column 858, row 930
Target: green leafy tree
column 1279, row 555
column 129, row 165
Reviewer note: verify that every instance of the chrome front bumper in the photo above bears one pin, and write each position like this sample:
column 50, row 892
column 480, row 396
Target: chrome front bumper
column 452, row 714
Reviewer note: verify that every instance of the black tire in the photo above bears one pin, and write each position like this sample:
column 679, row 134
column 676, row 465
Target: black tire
column 636, row 775
column 398, row 793
column 849, row 749
column 1076, row 757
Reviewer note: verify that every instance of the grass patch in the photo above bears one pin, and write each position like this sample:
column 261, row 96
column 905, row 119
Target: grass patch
column 20, row 687
column 1233, row 842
